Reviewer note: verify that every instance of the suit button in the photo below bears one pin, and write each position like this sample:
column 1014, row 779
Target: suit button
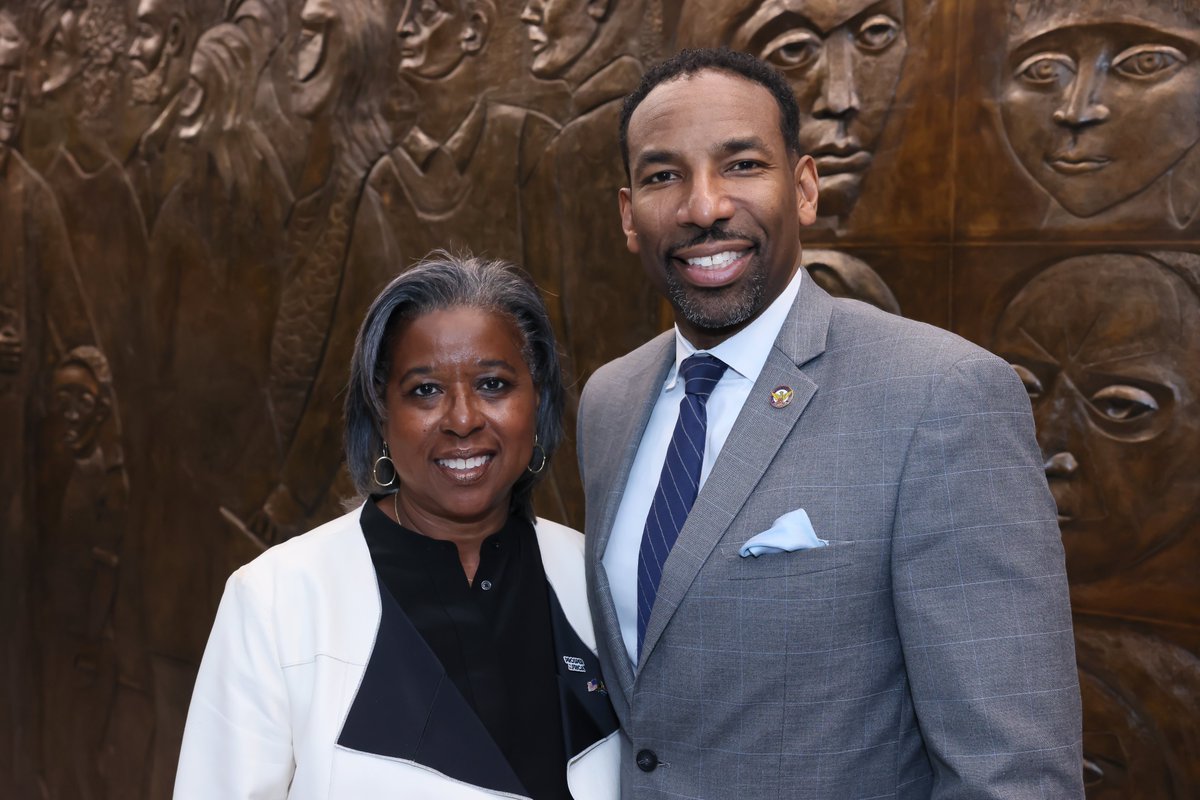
column 647, row 760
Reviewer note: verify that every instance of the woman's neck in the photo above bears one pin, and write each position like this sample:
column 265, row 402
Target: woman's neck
column 467, row 535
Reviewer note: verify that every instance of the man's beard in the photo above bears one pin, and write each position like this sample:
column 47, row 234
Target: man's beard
column 726, row 306
column 147, row 89
column 720, row 308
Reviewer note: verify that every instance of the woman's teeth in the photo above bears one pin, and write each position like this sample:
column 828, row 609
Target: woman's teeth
column 464, row 463
column 717, row 260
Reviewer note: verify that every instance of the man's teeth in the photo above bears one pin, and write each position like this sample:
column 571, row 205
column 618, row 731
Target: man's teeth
column 464, row 463
column 717, row 260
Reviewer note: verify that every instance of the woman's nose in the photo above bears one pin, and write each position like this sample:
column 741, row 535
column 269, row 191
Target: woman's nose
column 463, row 415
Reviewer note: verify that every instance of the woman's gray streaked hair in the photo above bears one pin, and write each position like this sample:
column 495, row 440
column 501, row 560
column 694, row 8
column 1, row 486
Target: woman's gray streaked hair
column 440, row 281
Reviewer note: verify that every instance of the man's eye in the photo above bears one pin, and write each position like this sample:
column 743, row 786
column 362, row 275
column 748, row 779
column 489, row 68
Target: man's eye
column 1032, row 384
column 659, row 177
column 1047, row 68
column 1148, row 61
column 794, row 49
column 1122, row 403
column 744, row 165
column 878, row 32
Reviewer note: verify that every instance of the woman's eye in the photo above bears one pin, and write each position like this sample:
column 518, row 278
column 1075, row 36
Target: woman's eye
column 425, row 390
column 1047, row 68
column 878, row 32
column 493, row 384
column 1122, row 403
column 1032, row 384
column 1148, row 61
column 796, row 48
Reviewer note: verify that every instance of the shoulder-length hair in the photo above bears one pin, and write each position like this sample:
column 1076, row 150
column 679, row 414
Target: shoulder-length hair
column 441, row 281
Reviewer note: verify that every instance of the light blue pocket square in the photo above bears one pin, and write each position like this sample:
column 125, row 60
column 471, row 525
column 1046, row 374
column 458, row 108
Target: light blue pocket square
column 792, row 531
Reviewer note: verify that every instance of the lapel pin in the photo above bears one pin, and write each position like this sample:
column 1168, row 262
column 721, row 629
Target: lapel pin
column 575, row 663
column 781, row 396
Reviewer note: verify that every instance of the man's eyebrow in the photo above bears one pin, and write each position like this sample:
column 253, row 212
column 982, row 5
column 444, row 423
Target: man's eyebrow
column 655, row 157
column 741, row 144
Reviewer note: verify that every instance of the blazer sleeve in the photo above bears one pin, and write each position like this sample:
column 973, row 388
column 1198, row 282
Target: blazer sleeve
column 237, row 741
column 980, row 592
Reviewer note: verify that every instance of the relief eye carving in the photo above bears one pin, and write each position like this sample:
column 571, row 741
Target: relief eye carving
column 877, row 33
column 1044, row 69
column 1149, row 62
column 793, row 49
column 1122, row 403
column 1032, row 384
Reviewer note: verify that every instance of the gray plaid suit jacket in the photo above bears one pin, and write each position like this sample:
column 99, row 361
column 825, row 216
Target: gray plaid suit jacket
column 925, row 653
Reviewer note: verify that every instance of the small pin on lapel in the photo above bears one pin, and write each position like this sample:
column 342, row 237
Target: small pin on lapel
column 781, row 396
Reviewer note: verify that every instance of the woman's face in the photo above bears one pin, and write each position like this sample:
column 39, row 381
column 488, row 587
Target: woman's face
column 461, row 415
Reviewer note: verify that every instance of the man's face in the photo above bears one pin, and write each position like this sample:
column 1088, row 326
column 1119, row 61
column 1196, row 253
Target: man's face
column 435, row 36
column 80, row 405
column 1115, row 388
column 1100, row 101
column 560, row 31
column 155, row 38
column 715, row 201
column 843, row 59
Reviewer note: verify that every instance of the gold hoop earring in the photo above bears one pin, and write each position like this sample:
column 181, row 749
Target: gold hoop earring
column 541, row 464
column 386, row 457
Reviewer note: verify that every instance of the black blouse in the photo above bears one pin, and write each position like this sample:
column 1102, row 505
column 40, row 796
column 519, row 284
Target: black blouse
column 493, row 637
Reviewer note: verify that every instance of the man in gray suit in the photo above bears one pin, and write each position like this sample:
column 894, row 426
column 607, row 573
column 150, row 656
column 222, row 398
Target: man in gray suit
column 823, row 559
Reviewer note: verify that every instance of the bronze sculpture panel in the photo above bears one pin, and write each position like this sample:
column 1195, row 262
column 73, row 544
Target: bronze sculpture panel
column 198, row 198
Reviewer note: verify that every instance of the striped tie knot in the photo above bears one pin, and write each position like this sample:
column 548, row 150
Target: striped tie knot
column 701, row 372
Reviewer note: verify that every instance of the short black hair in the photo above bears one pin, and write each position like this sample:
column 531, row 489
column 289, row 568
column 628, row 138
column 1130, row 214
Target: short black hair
column 744, row 65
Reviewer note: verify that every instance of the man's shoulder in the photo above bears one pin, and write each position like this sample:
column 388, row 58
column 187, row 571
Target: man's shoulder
column 615, row 373
column 862, row 329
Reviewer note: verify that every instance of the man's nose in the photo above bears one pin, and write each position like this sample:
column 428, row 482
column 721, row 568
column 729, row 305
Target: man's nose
column 707, row 202
column 838, row 96
column 1081, row 106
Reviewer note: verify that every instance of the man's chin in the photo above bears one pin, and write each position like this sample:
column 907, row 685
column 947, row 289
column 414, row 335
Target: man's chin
column 147, row 90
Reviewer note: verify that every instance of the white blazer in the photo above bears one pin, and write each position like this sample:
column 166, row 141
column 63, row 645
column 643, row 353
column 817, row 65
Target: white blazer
column 291, row 642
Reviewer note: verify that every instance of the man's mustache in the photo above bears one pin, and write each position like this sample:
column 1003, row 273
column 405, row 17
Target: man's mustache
column 717, row 233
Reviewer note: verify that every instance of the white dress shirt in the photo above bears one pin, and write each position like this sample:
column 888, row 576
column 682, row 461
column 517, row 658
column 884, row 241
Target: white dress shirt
column 745, row 353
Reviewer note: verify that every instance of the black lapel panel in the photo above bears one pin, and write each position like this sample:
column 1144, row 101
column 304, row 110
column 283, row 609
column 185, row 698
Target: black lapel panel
column 408, row 708
column 587, row 713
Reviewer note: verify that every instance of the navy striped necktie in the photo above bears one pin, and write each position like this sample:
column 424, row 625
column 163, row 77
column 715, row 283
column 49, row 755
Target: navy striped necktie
column 679, row 483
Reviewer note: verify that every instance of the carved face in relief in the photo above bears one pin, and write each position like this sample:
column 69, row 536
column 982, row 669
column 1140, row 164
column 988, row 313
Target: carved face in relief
column 436, row 35
column 81, row 404
column 843, row 58
column 156, row 52
column 560, row 31
column 12, row 51
column 339, row 42
column 843, row 275
column 1114, row 378
column 61, row 50
column 1101, row 98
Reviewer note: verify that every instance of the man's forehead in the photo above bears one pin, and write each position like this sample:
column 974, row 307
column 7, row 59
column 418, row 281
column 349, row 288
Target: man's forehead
column 715, row 91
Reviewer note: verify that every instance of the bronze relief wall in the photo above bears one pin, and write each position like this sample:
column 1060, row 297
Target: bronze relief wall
column 198, row 198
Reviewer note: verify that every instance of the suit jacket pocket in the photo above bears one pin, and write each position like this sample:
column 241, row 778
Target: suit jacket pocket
column 781, row 565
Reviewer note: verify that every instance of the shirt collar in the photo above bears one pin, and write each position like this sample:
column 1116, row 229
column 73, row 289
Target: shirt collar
column 746, row 351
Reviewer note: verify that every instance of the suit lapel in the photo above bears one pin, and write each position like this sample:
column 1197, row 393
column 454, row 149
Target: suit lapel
column 756, row 437
column 644, row 381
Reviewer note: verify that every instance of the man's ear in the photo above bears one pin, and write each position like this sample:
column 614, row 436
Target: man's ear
column 475, row 34
column 625, row 201
column 807, row 188
column 598, row 9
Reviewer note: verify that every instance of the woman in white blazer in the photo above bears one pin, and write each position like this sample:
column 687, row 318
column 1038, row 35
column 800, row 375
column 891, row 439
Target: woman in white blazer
column 435, row 642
